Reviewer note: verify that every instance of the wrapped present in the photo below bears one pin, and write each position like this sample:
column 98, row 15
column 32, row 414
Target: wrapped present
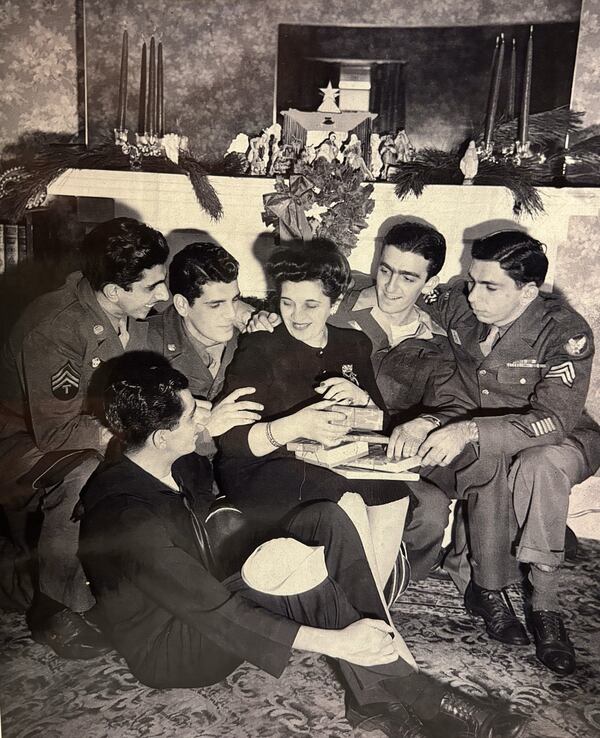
column 368, row 418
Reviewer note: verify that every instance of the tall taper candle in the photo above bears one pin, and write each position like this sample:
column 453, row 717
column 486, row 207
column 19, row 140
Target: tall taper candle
column 491, row 87
column 122, row 112
column 151, row 115
column 160, row 107
column 493, row 103
column 526, row 100
column 142, row 101
column 512, row 82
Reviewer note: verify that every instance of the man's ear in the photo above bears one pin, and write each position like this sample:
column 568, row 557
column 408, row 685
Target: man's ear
column 181, row 305
column 529, row 292
column 111, row 292
column 430, row 285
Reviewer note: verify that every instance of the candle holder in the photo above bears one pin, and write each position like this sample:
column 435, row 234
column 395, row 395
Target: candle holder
column 523, row 149
column 485, row 152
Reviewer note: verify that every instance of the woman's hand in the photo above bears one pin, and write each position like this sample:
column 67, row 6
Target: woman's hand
column 318, row 422
column 343, row 391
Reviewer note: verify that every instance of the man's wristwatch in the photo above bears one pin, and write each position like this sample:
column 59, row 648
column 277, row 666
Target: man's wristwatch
column 436, row 421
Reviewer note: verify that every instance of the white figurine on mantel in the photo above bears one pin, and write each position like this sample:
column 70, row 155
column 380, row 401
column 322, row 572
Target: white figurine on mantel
column 239, row 145
column 353, row 157
column 328, row 149
column 376, row 160
column 469, row 164
column 258, row 155
column 329, row 104
column 404, row 148
column 273, row 131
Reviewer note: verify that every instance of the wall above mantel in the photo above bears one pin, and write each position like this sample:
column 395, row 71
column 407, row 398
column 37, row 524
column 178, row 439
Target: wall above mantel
column 167, row 202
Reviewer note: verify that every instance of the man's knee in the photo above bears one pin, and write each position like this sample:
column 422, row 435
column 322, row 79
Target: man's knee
column 557, row 462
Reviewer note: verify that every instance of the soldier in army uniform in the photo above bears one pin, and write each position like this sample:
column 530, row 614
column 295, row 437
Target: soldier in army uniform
column 523, row 370
column 199, row 332
column 48, row 433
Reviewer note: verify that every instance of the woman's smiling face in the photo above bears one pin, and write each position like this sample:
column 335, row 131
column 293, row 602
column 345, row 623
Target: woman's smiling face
column 305, row 309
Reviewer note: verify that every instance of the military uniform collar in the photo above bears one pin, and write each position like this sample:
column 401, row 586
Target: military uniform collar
column 102, row 328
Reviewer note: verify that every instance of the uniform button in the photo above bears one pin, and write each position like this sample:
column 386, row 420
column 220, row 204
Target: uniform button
column 320, row 353
column 482, row 372
column 522, row 380
column 485, row 392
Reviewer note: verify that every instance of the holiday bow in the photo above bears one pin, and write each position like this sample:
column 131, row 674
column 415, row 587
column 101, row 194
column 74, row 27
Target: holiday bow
column 288, row 206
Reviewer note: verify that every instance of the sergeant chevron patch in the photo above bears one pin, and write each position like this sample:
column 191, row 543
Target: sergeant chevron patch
column 543, row 426
column 65, row 382
column 564, row 372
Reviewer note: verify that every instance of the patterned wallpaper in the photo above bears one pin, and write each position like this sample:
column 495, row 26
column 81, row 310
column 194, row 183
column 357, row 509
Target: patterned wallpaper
column 38, row 69
column 221, row 56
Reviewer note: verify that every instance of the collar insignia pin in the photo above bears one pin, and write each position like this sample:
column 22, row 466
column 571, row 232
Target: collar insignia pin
column 98, row 329
column 95, row 362
column 171, row 346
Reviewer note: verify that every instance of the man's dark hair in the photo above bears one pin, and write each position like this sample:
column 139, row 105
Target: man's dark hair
column 118, row 250
column 142, row 400
column 416, row 238
column 522, row 257
column 311, row 261
column 197, row 264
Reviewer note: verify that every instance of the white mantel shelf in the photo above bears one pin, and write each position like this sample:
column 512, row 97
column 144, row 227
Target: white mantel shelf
column 168, row 202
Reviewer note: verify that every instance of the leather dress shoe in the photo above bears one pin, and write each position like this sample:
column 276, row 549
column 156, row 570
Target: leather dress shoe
column 71, row 636
column 468, row 717
column 552, row 645
column 495, row 608
column 391, row 718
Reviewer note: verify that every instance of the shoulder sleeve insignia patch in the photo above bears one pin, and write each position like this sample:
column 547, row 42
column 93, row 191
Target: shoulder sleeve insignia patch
column 565, row 372
column 65, row 382
column 577, row 346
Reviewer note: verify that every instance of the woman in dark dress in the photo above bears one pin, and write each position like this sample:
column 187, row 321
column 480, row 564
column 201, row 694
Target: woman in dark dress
column 299, row 372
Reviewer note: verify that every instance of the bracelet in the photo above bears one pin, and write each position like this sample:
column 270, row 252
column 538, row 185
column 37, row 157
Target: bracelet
column 271, row 439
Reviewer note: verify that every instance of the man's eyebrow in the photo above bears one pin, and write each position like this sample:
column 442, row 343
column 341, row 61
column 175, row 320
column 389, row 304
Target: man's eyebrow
column 220, row 300
column 482, row 281
column 155, row 284
column 399, row 271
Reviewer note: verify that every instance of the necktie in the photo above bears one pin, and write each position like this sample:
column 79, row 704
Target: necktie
column 123, row 333
column 488, row 344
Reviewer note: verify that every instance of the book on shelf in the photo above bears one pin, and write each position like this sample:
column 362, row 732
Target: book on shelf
column 11, row 245
column 21, row 243
column 1, row 248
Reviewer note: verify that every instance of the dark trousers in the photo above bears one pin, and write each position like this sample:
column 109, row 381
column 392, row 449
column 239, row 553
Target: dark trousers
column 348, row 594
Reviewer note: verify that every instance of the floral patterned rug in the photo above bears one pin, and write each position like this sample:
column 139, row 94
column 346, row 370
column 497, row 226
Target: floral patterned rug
column 42, row 695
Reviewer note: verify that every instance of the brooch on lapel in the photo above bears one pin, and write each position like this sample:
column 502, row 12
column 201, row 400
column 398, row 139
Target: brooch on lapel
column 349, row 373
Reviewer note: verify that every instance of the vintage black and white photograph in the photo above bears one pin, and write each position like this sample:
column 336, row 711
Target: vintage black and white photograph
column 299, row 403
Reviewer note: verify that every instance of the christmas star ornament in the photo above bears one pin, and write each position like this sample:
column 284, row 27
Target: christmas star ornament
column 329, row 94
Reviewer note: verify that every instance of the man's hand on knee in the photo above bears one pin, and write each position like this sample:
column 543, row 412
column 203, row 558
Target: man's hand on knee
column 442, row 446
column 366, row 642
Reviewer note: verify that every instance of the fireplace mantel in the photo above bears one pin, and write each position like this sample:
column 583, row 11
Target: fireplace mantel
column 461, row 213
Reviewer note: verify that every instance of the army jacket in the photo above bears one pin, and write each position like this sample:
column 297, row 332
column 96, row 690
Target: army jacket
column 55, row 348
column 532, row 387
column 168, row 337
column 410, row 374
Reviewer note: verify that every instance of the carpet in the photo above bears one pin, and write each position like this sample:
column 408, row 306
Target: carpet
column 42, row 695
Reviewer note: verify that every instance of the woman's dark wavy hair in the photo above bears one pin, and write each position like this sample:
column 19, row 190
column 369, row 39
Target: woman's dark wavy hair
column 118, row 250
column 311, row 261
column 197, row 264
column 522, row 257
column 142, row 400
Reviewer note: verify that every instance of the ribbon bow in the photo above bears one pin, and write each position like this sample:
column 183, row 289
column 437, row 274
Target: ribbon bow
column 288, row 205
